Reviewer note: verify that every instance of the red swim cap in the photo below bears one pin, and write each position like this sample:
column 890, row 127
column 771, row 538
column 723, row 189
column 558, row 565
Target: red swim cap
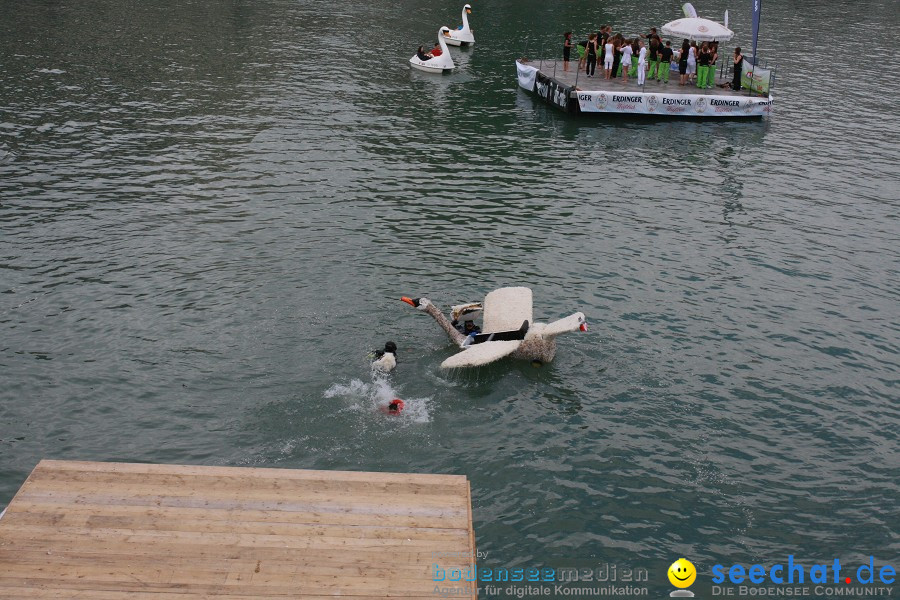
column 396, row 405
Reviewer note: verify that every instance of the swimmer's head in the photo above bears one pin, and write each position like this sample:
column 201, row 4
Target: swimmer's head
column 390, row 347
column 395, row 406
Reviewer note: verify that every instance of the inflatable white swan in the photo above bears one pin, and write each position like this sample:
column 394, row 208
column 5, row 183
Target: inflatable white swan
column 438, row 64
column 464, row 35
column 508, row 330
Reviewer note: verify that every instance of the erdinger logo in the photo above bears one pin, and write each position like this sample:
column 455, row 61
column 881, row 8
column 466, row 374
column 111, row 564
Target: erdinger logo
column 700, row 105
column 701, row 28
column 748, row 106
column 652, row 102
column 601, row 101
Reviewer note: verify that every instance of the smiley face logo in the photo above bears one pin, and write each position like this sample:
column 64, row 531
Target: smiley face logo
column 682, row 573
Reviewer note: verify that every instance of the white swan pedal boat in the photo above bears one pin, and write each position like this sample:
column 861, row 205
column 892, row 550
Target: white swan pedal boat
column 438, row 64
column 462, row 36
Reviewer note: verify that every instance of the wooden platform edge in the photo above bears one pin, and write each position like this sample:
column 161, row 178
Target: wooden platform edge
column 248, row 471
column 472, row 547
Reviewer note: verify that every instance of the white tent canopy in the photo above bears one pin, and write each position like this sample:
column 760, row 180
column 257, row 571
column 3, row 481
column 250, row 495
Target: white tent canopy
column 695, row 28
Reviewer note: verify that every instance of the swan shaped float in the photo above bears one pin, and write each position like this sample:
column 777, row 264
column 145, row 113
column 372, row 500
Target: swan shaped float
column 438, row 64
column 462, row 36
column 508, row 330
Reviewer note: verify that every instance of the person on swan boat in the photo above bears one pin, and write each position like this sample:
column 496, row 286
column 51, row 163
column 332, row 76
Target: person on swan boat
column 421, row 54
column 467, row 328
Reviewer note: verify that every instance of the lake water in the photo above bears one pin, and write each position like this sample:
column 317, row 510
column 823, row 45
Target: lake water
column 209, row 212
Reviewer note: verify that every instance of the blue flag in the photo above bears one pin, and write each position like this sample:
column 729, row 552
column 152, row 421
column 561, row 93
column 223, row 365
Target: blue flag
column 757, row 8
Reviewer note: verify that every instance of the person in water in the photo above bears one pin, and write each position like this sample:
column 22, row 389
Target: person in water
column 394, row 407
column 386, row 359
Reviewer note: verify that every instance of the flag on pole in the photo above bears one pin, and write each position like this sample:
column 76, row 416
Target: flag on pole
column 757, row 8
column 726, row 19
column 689, row 10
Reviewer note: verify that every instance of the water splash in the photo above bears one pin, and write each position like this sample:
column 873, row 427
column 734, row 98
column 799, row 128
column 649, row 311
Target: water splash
column 369, row 398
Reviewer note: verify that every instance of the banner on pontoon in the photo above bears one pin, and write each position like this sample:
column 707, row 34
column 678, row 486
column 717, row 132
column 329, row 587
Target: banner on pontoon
column 673, row 104
column 527, row 75
column 553, row 91
column 757, row 79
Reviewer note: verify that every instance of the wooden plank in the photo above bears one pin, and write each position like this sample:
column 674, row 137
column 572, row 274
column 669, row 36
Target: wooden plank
column 57, row 521
column 217, row 482
column 249, row 472
column 201, row 551
column 12, row 532
column 148, row 572
column 372, row 507
column 249, row 564
column 472, row 548
column 204, row 590
column 310, row 494
column 41, row 593
column 455, row 521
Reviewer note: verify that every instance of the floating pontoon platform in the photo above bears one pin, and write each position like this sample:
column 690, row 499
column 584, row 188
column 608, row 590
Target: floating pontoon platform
column 104, row 531
column 574, row 92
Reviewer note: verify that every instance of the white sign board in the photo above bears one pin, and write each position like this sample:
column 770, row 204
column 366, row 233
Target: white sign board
column 688, row 105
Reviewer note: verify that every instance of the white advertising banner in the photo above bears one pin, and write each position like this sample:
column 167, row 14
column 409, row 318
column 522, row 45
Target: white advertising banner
column 527, row 75
column 688, row 105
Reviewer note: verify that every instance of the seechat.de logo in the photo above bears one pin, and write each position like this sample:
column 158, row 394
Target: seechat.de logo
column 794, row 572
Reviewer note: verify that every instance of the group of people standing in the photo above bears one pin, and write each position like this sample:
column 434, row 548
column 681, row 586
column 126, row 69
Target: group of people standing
column 647, row 56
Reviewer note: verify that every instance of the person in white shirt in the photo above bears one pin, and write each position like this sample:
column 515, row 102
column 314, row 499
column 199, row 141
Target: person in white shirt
column 642, row 63
column 626, row 60
column 608, row 57
column 692, row 62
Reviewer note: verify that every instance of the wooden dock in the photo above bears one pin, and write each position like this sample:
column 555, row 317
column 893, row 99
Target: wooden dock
column 101, row 531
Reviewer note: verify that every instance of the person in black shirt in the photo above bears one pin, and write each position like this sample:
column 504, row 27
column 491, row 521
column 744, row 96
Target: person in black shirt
column 617, row 55
column 662, row 74
column 591, row 54
column 652, row 35
column 567, row 49
column 654, row 59
column 738, row 67
column 683, row 61
column 713, row 58
column 702, row 65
